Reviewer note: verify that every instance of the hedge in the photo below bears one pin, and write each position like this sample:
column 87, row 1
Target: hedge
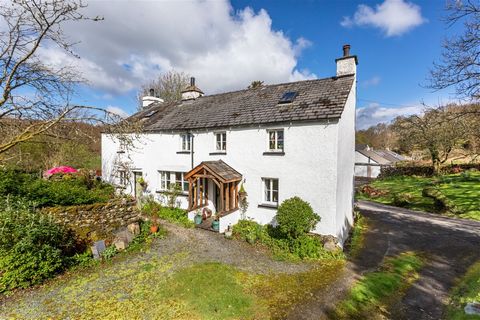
column 425, row 171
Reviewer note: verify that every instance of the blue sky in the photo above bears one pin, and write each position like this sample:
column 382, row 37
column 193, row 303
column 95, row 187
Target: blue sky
column 228, row 44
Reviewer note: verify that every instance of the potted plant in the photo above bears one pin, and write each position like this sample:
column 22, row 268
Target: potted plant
column 142, row 183
column 216, row 223
column 154, row 218
column 198, row 219
column 242, row 193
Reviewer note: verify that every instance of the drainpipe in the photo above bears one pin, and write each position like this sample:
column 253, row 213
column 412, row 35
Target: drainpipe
column 192, row 146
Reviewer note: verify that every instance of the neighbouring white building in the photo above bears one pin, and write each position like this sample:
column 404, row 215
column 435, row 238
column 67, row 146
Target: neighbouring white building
column 277, row 141
column 369, row 162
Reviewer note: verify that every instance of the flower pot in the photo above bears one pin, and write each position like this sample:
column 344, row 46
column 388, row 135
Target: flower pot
column 198, row 219
column 228, row 233
column 216, row 225
column 153, row 229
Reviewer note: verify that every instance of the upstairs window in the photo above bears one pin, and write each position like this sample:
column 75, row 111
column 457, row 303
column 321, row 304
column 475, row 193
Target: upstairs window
column 221, row 141
column 186, row 142
column 122, row 145
column 270, row 191
column 275, row 141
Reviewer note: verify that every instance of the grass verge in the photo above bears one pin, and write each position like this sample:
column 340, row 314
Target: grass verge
column 467, row 290
column 376, row 291
column 356, row 240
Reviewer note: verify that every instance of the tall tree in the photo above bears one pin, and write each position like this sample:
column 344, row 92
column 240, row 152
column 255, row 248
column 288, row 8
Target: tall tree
column 167, row 86
column 34, row 95
column 460, row 63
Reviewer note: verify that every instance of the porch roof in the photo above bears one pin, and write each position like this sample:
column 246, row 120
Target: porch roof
column 219, row 169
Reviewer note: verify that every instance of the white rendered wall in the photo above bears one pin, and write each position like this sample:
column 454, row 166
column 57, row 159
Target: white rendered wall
column 361, row 166
column 345, row 168
column 308, row 169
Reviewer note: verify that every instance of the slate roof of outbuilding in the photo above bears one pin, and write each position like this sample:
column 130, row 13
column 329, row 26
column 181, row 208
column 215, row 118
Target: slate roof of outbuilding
column 316, row 100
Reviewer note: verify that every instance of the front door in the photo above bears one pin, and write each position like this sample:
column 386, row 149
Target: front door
column 138, row 188
column 217, row 198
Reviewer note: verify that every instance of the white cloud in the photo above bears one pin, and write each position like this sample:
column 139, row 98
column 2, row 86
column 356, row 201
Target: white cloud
column 394, row 17
column 373, row 81
column 118, row 111
column 374, row 113
column 224, row 49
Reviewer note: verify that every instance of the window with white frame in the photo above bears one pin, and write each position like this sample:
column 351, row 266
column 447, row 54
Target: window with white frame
column 164, row 180
column 275, row 140
column 122, row 178
column 186, row 142
column 270, row 191
column 122, row 144
column 179, row 179
column 221, row 141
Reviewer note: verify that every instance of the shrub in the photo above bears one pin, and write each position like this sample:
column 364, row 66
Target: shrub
column 307, row 247
column 295, row 217
column 249, row 231
column 174, row 215
column 32, row 248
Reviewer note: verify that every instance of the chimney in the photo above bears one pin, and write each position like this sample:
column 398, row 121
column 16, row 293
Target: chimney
column 148, row 100
column 346, row 64
column 192, row 91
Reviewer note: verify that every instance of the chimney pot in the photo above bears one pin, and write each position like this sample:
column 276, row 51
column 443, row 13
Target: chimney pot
column 192, row 81
column 346, row 50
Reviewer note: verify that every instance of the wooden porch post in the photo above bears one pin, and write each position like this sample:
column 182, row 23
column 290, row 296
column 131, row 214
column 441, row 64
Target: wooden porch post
column 190, row 207
column 222, row 201
column 197, row 192
column 232, row 196
column 227, row 197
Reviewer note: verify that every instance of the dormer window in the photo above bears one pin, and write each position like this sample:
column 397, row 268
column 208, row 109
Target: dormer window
column 288, row 97
column 186, row 142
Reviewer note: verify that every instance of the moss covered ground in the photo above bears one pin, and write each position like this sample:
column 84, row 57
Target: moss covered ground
column 467, row 290
column 154, row 286
column 463, row 192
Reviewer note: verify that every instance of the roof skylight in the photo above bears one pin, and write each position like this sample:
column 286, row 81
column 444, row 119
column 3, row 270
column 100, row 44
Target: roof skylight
column 288, row 97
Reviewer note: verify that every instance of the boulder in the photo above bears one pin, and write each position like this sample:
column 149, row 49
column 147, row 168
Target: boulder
column 330, row 245
column 134, row 228
column 472, row 308
column 98, row 248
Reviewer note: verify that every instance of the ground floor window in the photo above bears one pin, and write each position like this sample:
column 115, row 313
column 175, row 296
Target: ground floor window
column 164, row 180
column 179, row 179
column 270, row 191
column 167, row 178
column 122, row 178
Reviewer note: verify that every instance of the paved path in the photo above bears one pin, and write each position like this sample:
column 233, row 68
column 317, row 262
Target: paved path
column 451, row 246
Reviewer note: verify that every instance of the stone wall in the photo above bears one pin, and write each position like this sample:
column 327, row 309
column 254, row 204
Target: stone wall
column 96, row 221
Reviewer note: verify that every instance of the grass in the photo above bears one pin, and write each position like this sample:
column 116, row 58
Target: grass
column 467, row 290
column 464, row 193
column 376, row 291
column 356, row 241
column 170, row 287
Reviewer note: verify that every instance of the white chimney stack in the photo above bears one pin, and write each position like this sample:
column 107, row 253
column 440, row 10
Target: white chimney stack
column 148, row 100
column 192, row 91
column 346, row 64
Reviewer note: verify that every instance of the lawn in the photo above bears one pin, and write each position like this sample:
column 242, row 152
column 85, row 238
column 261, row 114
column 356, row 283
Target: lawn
column 169, row 287
column 372, row 295
column 467, row 290
column 463, row 191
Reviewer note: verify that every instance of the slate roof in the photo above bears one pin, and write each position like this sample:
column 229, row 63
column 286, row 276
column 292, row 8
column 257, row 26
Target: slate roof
column 218, row 168
column 374, row 156
column 317, row 100
column 381, row 156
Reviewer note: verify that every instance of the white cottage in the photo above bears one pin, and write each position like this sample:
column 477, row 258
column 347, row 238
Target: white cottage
column 277, row 141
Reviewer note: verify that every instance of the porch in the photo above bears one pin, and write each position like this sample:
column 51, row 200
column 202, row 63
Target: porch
column 213, row 185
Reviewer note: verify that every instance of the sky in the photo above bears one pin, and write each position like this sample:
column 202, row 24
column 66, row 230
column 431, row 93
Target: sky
column 227, row 44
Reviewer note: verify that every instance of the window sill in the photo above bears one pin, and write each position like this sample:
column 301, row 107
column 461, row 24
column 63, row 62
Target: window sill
column 183, row 194
column 218, row 153
column 274, row 153
column 120, row 151
column 268, row 205
column 120, row 187
column 183, row 152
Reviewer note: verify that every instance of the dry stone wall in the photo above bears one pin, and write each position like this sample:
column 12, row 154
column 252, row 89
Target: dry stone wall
column 96, row 221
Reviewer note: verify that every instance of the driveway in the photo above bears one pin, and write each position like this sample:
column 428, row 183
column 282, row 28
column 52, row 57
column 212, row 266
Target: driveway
column 450, row 246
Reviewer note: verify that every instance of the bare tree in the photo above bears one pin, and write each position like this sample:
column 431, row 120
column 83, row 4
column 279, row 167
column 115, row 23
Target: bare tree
column 167, row 86
column 439, row 130
column 460, row 63
column 34, row 95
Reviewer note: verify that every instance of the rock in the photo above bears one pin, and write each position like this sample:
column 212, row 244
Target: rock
column 98, row 248
column 472, row 308
column 330, row 246
column 120, row 244
column 134, row 228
